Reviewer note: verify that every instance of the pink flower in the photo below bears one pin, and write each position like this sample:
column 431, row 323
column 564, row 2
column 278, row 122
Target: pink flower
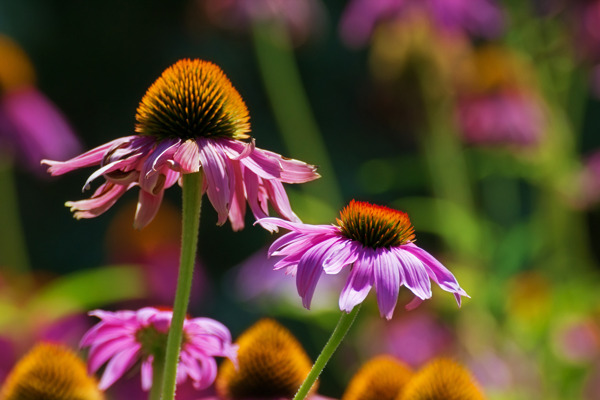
column 31, row 126
column 190, row 119
column 123, row 338
column 376, row 242
column 508, row 117
column 477, row 17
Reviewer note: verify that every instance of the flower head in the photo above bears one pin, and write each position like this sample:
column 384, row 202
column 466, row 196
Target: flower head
column 442, row 379
column 191, row 119
column 381, row 378
column 31, row 127
column 376, row 243
column 476, row 17
column 122, row 338
column 271, row 364
column 50, row 372
column 498, row 102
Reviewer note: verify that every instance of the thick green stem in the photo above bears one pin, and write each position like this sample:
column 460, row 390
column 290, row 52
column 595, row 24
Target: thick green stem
column 158, row 366
column 13, row 252
column 192, row 201
column 343, row 326
column 291, row 108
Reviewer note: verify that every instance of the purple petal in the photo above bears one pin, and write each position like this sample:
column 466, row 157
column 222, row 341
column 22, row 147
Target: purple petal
column 310, row 269
column 342, row 253
column 414, row 273
column 279, row 200
column 359, row 282
column 436, row 271
column 102, row 352
column 387, row 282
column 101, row 201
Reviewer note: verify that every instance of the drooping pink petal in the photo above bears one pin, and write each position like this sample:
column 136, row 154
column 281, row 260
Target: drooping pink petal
column 102, row 352
column 387, row 282
column 310, row 270
column 415, row 275
column 147, row 207
column 342, row 253
column 117, row 366
column 88, row 159
column 100, row 202
column 146, row 372
column 217, row 179
column 437, row 272
column 187, row 156
column 359, row 282
column 237, row 211
column 279, row 200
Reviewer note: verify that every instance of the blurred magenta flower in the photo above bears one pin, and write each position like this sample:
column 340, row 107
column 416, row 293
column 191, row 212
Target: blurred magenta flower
column 376, row 242
column 589, row 181
column 190, row 119
column 497, row 101
column 31, row 127
column 502, row 118
column 414, row 338
column 481, row 18
column 123, row 338
column 301, row 17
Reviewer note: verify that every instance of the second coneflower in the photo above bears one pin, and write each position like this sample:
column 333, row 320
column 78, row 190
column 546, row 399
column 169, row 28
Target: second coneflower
column 191, row 119
column 376, row 243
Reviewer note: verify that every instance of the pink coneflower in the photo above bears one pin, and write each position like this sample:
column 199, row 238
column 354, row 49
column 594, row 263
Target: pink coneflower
column 31, row 127
column 124, row 337
column 376, row 242
column 475, row 17
column 190, row 119
column 502, row 118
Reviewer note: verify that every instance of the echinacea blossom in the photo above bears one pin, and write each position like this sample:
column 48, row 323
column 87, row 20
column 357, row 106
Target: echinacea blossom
column 381, row 378
column 502, row 118
column 191, row 119
column 300, row 18
column 271, row 365
column 123, row 338
column 497, row 100
column 481, row 18
column 31, row 127
column 50, row 371
column 442, row 379
column 376, row 243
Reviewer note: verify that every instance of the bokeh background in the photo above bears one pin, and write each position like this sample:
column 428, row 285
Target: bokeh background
column 480, row 119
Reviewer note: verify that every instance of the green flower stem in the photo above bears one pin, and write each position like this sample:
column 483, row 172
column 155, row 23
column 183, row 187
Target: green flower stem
column 158, row 366
column 340, row 331
column 291, row 108
column 192, row 201
column 13, row 252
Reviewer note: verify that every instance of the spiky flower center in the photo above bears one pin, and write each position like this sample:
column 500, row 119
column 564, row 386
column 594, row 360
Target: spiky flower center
column 50, row 372
column 375, row 226
column 193, row 99
column 272, row 364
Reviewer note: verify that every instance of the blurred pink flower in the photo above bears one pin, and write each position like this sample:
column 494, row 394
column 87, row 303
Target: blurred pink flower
column 476, row 17
column 376, row 242
column 414, row 338
column 31, row 127
column 300, row 17
column 123, row 338
column 506, row 117
column 589, row 181
column 180, row 135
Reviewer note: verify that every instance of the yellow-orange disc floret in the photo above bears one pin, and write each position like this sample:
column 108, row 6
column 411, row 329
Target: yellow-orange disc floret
column 382, row 378
column 272, row 364
column 375, row 226
column 442, row 379
column 190, row 100
column 50, row 372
